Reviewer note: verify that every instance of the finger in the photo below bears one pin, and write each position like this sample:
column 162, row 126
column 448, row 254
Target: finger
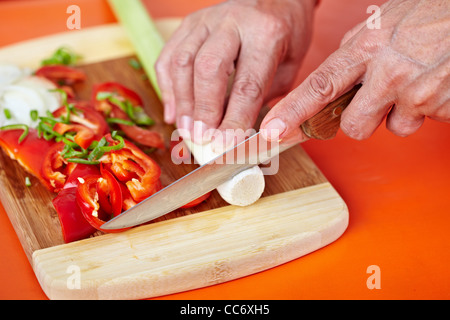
column 350, row 34
column 162, row 68
column 283, row 80
column 255, row 71
column 429, row 94
column 403, row 123
column 338, row 74
column 182, row 76
column 214, row 64
column 366, row 111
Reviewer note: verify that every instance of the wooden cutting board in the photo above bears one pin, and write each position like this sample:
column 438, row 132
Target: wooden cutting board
column 299, row 212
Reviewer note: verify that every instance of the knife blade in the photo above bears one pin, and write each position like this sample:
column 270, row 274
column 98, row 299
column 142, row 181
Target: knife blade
column 252, row 151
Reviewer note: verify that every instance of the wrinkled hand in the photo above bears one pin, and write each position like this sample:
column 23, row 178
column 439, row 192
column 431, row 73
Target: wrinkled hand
column 261, row 41
column 404, row 67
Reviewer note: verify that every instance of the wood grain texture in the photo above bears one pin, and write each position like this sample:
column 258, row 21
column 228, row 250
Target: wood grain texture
column 211, row 243
column 195, row 250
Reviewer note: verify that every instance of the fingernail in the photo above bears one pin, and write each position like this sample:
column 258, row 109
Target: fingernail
column 273, row 129
column 201, row 132
column 184, row 126
column 169, row 113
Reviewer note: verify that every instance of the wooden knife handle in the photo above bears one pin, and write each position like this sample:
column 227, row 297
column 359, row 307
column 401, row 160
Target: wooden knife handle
column 325, row 124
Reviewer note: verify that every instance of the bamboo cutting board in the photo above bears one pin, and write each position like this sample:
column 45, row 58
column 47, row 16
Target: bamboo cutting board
column 299, row 212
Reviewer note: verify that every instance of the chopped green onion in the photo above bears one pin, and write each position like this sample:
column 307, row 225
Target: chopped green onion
column 102, row 95
column 118, row 146
column 135, row 113
column 141, row 118
column 83, row 161
column 7, row 113
column 135, row 63
column 23, row 127
column 97, row 152
column 64, row 56
column 63, row 94
column 34, row 115
column 27, row 182
column 120, row 121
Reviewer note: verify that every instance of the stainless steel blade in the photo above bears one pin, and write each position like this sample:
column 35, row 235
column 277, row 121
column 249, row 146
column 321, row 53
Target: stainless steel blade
column 251, row 152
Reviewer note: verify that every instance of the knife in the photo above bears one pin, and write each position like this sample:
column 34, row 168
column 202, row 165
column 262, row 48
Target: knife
column 252, row 151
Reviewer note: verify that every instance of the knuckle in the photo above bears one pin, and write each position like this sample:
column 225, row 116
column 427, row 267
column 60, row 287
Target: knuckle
column 204, row 110
column 321, row 86
column 352, row 128
column 274, row 26
column 248, row 90
column 182, row 59
column 208, row 65
column 420, row 96
column 235, row 120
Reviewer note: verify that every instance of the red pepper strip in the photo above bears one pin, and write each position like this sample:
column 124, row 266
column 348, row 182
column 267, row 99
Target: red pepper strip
column 143, row 136
column 86, row 116
column 27, row 152
column 127, row 200
column 140, row 135
column 196, row 201
column 110, row 193
column 73, row 224
column 54, row 168
column 119, row 90
column 134, row 168
column 88, row 201
column 83, row 137
column 78, row 173
column 61, row 75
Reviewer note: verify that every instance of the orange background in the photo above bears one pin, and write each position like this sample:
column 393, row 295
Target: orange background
column 397, row 189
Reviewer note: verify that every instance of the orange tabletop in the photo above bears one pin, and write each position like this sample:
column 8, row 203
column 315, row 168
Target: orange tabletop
column 397, row 189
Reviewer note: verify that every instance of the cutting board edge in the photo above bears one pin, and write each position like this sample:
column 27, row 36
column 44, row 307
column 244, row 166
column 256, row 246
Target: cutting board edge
column 202, row 269
column 94, row 44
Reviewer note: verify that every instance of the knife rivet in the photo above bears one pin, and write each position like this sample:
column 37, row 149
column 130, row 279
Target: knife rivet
column 337, row 111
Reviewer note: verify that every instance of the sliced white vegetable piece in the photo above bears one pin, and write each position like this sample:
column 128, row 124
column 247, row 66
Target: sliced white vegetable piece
column 10, row 73
column 243, row 189
column 27, row 94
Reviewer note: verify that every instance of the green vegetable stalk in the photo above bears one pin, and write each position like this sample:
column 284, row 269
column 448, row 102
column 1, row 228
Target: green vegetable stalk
column 142, row 33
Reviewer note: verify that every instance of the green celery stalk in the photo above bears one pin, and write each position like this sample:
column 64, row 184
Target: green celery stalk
column 142, row 32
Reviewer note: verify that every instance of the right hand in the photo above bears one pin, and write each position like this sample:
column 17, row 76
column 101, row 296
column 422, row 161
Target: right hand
column 263, row 42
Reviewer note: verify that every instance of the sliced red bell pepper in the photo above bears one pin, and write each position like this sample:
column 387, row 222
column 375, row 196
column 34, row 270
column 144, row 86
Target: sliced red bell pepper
column 87, row 116
column 143, row 136
column 110, row 193
column 78, row 173
column 73, row 223
column 196, row 201
column 61, row 75
column 83, row 137
column 134, row 168
column 54, row 168
column 88, row 199
column 136, row 133
column 26, row 151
